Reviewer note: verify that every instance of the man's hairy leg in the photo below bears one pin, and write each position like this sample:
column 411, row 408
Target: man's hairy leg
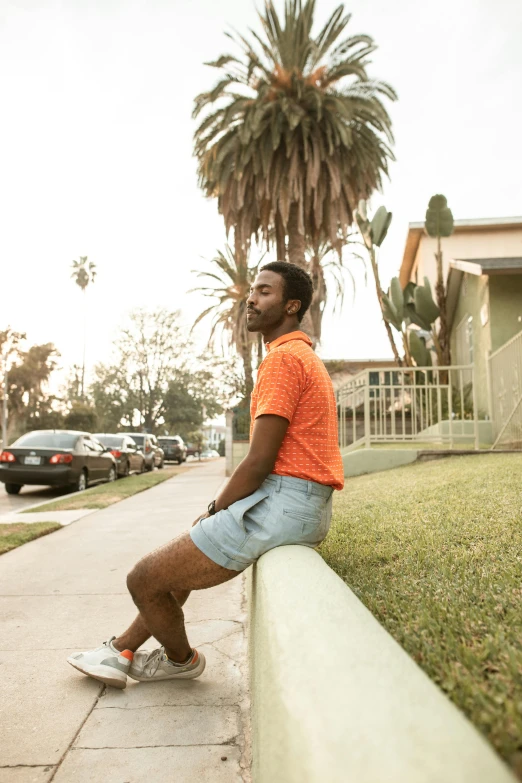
column 137, row 633
column 159, row 580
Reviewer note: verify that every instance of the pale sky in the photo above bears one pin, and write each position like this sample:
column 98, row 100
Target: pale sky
column 96, row 149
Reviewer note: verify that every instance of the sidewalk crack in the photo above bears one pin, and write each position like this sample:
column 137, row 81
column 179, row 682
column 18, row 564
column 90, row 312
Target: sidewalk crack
column 26, row 766
column 82, row 724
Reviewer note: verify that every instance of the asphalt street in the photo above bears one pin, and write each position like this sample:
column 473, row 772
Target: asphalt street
column 28, row 497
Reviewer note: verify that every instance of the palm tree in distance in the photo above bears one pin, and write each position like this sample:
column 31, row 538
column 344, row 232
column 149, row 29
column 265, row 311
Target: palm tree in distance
column 294, row 133
column 229, row 285
column 84, row 272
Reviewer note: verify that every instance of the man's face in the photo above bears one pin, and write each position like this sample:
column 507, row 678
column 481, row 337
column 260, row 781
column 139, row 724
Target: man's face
column 266, row 308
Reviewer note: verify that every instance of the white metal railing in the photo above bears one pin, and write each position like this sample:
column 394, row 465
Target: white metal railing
column 505, row 378
column 406, row 404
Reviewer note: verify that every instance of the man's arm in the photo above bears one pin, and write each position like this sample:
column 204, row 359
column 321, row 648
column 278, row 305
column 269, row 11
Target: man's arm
column 267, row 437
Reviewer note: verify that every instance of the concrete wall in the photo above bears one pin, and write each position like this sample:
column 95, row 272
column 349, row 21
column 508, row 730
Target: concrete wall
column 357, row 463
column 238, row 452
column 463, row 432
column 335, row 699
column 505, row 298
column 235, row 450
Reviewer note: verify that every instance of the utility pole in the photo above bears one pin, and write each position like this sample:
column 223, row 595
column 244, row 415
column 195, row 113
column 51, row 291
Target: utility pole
column 4, row 413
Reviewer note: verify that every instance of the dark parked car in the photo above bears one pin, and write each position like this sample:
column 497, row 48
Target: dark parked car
column 149, row 448
column 57, row 458
column 174, row 448
column 124, row 449
column 193, row 450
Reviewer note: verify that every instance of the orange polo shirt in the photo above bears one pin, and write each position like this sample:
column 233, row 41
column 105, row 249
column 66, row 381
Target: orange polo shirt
column 292, row 382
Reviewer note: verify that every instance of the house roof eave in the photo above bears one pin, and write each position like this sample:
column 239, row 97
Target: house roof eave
column 416, row 230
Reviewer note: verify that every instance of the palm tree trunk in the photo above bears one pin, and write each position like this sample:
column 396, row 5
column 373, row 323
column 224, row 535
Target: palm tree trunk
column 296, row 255
column 296, row 240
column 280, row 238
column 319, row 296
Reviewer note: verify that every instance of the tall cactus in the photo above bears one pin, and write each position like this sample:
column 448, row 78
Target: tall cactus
column 413, row 306
column 374, row 233
column 439, row 224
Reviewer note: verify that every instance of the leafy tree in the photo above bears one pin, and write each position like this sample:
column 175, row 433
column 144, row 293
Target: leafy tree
column 9, row 342
column 82, row 417
column 156, row 383
column 84, row 273
column 295, row 132
column 198, row 440
column 30, row 402
column 229, row 285
column 110, row 397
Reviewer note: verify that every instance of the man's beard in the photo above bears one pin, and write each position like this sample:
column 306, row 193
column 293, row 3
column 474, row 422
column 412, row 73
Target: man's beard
column 267, row 320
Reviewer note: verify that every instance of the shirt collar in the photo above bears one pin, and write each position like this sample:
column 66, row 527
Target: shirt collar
column 285, row 338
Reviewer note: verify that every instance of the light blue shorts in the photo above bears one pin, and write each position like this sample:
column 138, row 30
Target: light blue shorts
column 284, row 510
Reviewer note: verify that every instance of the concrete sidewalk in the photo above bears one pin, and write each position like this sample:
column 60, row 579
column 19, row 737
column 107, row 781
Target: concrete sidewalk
column 66, row 592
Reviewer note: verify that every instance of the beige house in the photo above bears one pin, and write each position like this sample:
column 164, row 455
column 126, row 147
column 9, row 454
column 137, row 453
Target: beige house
column 482, row 263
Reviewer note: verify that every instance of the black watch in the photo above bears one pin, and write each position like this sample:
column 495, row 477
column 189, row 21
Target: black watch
column 212, row 508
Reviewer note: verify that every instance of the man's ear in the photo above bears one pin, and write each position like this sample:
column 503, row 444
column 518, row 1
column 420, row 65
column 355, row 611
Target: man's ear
column 293, row 306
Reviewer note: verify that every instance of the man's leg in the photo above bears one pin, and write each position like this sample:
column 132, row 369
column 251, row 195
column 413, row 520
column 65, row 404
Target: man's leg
column 172, row 570
column 137, row 633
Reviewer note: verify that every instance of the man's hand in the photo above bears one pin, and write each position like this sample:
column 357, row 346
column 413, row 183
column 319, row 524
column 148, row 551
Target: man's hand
column 201, row 516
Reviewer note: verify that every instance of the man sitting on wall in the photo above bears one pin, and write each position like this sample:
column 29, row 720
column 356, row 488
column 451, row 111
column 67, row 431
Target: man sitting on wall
column 281, row 493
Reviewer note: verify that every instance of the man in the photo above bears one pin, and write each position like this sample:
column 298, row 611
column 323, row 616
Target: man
column 281, row 493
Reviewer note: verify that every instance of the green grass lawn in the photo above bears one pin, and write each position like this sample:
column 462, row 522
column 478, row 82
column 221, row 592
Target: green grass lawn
column 434, row 550
column 20, row 533
column 104, row 495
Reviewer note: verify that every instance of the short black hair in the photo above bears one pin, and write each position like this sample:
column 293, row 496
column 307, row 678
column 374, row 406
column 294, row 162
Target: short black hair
column 297, row 284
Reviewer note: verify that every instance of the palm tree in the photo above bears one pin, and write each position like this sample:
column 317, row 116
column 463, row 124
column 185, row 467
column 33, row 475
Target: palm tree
column 84, row 272
column 327, row 266
column 230, row 285
column 294, row 133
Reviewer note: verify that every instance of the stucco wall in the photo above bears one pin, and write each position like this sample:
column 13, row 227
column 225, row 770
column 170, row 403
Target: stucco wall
column 505, row 297
column 473, row 295
column 506, row 243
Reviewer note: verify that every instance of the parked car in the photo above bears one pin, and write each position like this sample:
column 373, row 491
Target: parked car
column 148, row 446
column 192, row 450
column 57, row 458
column 124, row 449
column 209, row 454
column 174, row 448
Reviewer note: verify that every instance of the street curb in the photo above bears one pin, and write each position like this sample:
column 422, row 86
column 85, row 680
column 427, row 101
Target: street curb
column 335, row 698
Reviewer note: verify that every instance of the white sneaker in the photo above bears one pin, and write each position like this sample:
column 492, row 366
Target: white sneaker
column 152, row 666
column 105, row 663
